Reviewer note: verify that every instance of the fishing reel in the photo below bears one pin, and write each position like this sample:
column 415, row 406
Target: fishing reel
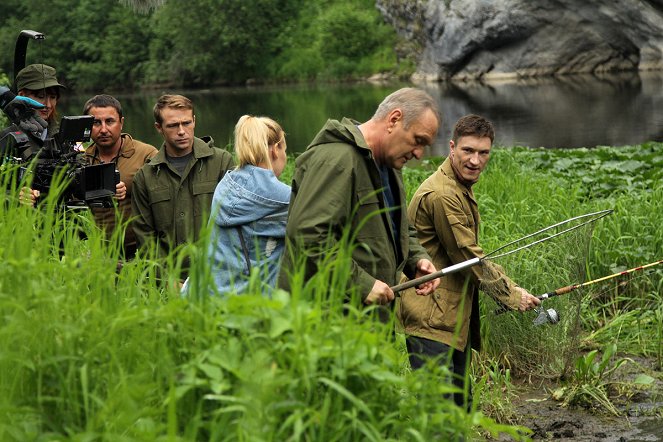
column 545, row 316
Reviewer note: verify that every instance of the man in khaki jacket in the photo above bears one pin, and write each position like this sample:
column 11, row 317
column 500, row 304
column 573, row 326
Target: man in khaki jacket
column 111, row 145
column 446, row 216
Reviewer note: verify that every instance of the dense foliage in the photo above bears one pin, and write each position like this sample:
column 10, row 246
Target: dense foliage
column 102, row 45
column 90, row 353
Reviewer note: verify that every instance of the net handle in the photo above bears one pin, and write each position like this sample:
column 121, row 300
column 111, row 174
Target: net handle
column 445, row 271
column 474, row 261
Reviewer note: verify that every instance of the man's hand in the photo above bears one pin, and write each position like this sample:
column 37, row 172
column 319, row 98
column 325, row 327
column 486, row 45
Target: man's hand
column 425, row 267
column 28, row 196
column 21, row 111
column 380, row 294
column 120, row 191
column 527, row 300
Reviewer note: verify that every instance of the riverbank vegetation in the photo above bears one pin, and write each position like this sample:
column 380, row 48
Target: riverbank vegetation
column 90, row 353
column 613, row 323
column 107, row 45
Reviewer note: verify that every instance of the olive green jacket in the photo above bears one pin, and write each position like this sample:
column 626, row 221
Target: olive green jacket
column 337, row 184
column 172, row 209
column 446, row 217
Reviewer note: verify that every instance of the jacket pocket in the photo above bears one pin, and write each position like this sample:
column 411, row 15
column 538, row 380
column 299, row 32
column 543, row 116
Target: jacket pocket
column 445, row 311
column 161, row 207
column 415, row 310
column 463, row 230
column 368, row 217
column 202, row 197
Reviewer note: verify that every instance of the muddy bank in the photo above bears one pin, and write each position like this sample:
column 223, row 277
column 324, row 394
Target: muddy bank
column 641, row 410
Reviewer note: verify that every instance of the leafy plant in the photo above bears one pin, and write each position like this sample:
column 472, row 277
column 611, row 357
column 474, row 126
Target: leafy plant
column 494, row 389
column 90, row 352
column 590, row 380
column 604, row 171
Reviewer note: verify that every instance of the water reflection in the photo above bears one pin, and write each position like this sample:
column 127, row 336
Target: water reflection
column 573, row 111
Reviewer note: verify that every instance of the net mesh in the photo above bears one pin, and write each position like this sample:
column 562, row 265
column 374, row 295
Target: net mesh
column 560, row 260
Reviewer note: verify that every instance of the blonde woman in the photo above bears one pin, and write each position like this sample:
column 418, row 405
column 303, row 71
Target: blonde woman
column 250, row 209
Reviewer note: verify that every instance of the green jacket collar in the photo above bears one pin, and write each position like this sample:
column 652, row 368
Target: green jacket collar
column 202, row 147
column 344, row 131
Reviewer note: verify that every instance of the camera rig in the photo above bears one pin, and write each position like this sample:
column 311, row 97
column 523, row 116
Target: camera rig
column 87, row 185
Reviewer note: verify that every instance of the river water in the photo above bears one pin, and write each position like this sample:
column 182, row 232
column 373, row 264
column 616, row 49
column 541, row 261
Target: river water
column 564, row 112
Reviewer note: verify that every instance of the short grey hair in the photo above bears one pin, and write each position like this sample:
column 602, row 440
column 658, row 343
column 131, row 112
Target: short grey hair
column 411, row 101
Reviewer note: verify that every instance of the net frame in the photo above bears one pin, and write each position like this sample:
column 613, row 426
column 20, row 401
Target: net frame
column 560, row 256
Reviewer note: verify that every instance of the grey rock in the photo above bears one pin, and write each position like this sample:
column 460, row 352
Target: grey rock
column 505, row 39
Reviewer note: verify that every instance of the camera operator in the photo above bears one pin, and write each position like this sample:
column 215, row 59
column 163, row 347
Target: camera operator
column 21, row 112
column 111, row 145
column 38, row 82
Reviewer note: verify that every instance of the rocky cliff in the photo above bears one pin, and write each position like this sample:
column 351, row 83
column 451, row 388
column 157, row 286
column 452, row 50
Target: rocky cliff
column 494, row 39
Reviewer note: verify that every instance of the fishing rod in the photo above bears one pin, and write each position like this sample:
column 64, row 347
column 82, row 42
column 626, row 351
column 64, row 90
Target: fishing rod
column 572, row 287
column 493, row 255
column 551, row 316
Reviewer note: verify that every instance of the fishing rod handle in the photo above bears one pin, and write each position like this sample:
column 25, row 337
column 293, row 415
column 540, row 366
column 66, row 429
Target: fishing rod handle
column 445, row 271
column 503, row 308
column 560, row 291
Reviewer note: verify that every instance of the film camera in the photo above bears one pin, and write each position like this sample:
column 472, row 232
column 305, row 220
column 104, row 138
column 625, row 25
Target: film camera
column 88, row 185
column 41, row 159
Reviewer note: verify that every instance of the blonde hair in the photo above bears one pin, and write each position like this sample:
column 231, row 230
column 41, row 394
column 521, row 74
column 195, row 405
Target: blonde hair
column 171, row 102
column 253, row 136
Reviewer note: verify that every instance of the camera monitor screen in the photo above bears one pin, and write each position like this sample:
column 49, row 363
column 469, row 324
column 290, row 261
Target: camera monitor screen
column 75, row 129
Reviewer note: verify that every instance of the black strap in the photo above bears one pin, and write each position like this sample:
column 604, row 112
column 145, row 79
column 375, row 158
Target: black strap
column 244, row 249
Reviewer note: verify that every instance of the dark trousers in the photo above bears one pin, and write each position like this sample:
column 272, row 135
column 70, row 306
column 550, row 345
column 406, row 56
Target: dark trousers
column 421, row 349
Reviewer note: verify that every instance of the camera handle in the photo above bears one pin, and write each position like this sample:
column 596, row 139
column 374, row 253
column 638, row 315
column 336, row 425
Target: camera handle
column 21, row 48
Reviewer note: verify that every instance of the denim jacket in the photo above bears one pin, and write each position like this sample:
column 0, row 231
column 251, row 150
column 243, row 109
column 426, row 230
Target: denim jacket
column 253, row 200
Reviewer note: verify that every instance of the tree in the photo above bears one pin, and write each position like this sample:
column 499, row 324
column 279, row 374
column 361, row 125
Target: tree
column 217, row 41
column 91, row 44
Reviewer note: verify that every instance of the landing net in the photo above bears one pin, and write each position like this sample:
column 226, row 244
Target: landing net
column 552, row 257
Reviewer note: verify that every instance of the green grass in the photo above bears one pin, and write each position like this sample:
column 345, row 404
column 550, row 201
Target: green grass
column 89, row 353
column 524, row 190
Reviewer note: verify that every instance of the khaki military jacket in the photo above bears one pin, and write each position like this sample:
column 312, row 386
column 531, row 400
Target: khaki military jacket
column 132, row 156
column 446, row 218
column 337, row 185
column 171, row 209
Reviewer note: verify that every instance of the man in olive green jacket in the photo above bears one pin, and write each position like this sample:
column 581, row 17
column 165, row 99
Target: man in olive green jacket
column 349, row 176
column 172, row 193
column 446, row 216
